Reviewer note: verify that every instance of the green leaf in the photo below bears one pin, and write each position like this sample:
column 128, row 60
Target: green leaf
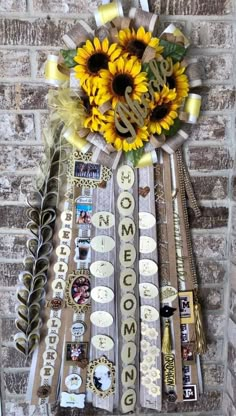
column 173, row 129
column 134, row 155
column 146, row 68
column 176, row 52
column 68, row 56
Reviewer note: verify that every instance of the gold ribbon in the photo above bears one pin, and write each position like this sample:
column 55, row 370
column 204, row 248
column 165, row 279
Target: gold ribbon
column 52, row 75
column 148, row 159
column 73, row 138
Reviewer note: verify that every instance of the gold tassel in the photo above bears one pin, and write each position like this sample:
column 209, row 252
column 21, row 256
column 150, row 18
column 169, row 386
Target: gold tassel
column 166, row 341
column 201, row 346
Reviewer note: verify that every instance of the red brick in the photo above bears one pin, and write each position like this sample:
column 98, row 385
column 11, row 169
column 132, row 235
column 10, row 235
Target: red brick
column 217, row 67
column 15, row 63
column 214, row 350
column 23, row 96
column 209, row 128
column 16, row 383
column 37, row 32
column 17, row 127
column 12, row 358
column 209, row 246
column 20, row 158
column 212, row 299
column 200, row 7
column 216, row 98
column 209, row 401
column 8, row 302
column 13, row 246
column 211, row 272
column 60, row 6
column 15, row 187
column 8, row 329
column 13, row 216
column 210, row 187
column 213, row 374
column 13, row 6
column 214, row 325
column 212, row 35
column 210, row 218
column 9, row 273
column 209, row 158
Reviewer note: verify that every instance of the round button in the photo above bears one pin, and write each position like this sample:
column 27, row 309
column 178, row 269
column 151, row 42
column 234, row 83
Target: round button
column 78, row 329
column 73, row 382
column 101, row 319
column 125, row 177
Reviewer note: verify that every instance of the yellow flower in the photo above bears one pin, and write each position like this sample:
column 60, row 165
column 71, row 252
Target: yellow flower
column 135, row 43
column 121, row 74
column 179, row 81
column 163, row 110
column 93, row 57
column 95, row 121
column 119, row 140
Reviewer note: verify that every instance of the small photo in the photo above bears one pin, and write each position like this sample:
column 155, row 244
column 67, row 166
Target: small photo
column 82, row 249
column 80, row 290
column 188, row 352
column 77, row 352
column 102, row 377
column 83, row 212
column 186, row 307
column 87, row 170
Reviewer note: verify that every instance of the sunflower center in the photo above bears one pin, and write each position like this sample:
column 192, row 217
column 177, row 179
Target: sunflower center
column 120, row 83
column 97, row 61
column 171, row 82
column 159, row 112
column 136, row 47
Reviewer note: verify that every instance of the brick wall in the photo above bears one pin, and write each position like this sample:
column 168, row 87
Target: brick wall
column 28, row 30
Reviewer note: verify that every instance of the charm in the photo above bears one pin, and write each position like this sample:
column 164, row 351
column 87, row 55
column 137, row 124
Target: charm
column 78, row 290
column 101, row 377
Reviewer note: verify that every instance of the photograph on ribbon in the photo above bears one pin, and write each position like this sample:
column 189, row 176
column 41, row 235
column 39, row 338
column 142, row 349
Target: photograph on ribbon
column 83, row 172
column 101, row 377
column 82, row 249
column 87, row 170
column 186, row 307
column 187, row 374
column 83, row 210
column 78, row 290
column 77, row 353
column 188, row 352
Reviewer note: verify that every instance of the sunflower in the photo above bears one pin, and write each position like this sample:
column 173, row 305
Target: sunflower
column 120, row 75
column 93, row 57
column 179, row 81
column 95, row 120
column 163, row 110
column 122, row 141
column 135, row 43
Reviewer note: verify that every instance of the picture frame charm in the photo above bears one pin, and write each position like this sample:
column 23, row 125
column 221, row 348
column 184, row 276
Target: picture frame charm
column 101, row 377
